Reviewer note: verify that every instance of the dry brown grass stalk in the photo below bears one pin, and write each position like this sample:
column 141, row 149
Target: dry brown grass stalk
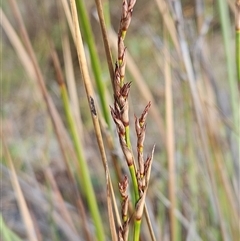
column 105, row 40
column 170, row 143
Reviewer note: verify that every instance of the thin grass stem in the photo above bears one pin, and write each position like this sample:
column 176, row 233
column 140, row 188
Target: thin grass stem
column 95, row 62
column 170, row 144
column 104, row 27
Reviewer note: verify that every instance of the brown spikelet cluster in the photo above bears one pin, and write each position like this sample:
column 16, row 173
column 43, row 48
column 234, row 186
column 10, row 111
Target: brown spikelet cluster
column 140, row 127
column 127, row 9
column 140, row 174
column 123, row 230
column 121, row 89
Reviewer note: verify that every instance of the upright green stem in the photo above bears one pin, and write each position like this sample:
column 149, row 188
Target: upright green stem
column 127, row 137
column 85, row 181
column 132, row 168
column 88, row 36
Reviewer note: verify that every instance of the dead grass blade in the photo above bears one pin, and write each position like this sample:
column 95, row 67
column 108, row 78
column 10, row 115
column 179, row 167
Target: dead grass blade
column 105, row 40
column 69, row 18
column 20, row 197
column 17, row 45
column 149, row 224
column 170, row 141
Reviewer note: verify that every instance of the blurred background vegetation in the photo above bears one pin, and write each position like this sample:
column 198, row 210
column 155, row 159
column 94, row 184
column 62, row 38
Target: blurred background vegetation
column 195, row 41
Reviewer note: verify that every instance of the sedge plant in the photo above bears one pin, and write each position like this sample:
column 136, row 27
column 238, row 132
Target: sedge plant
column 120, row 112
column 205, row 210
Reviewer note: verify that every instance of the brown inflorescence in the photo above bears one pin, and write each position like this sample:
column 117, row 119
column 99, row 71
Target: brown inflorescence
column 120, row 115
column 123, row 230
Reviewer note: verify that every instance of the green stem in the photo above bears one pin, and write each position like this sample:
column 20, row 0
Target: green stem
column 88, row 37
column 135, row 184
column 85, row 181
column 127, row 137
column 137, row 229
column 132, row 169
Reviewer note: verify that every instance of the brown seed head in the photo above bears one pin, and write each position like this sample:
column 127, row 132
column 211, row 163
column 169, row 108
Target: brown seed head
column 120, row 234
column 141, row 138
column 122, row 67
column 124, row 111
column 116, row 117
column 121, row 49
column 125, row 89
column 141, row 182
column 124, row 9
column 141, row 164
column 117, row 79
column 143, row 117
column 131, row 4
column 123, row 185
column 123, row 232
column 140, row 206
column 147, row 166
column 125, row 209
column 126, row 151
